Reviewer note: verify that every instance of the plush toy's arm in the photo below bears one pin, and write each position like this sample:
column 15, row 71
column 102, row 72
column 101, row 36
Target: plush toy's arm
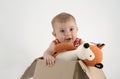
column 64, row 47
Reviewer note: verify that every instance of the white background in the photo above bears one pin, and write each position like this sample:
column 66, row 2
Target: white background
column 25, row 31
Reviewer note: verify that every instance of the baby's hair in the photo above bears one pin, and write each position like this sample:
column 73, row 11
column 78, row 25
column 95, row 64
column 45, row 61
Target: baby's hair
column 62, row 18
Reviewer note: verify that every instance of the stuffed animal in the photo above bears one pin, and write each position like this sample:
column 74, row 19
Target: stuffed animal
column 82, row 52
column 90, row 53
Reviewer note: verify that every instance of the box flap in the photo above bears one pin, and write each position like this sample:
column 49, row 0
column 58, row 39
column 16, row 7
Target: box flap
column 92, row 72
column 29, row 72
column 60, row 70
column 79, row 73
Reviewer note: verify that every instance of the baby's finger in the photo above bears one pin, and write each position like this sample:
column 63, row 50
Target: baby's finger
column 47, row 62
column 53, row 62
column 50, row 63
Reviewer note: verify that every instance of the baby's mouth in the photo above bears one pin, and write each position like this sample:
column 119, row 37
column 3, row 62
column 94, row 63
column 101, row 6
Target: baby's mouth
column 68, row 39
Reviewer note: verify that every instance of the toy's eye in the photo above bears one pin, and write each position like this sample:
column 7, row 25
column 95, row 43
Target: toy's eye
column 86, row 45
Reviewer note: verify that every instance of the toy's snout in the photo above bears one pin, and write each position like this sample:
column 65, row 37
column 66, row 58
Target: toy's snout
column 86, row 45
column 88, row 54
column 99, row 65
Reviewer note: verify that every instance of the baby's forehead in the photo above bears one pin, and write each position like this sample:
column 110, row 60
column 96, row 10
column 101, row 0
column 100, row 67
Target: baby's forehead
column 61, row 25
column 57, row 23
column 71, row 24
column 65, row 20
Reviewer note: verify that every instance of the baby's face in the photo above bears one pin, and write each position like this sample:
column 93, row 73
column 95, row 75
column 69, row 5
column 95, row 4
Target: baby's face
column 65, row 32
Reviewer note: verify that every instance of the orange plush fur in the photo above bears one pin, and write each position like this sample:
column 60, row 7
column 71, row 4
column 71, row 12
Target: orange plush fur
column 98, row 55
column 63, row 47
column 96, row 49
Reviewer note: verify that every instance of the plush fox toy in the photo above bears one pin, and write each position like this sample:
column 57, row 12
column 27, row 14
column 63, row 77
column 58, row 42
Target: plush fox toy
column 90, row 53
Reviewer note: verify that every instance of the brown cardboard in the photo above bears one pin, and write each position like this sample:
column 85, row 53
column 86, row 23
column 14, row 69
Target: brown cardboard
column 62, row 70
column 29, row 72
column 92, row 72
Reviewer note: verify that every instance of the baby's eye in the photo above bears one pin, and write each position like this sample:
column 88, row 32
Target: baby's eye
column 62, row 31
column 71, row 29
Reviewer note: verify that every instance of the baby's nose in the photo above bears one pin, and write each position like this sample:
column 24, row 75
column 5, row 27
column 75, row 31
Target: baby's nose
column 67, row 34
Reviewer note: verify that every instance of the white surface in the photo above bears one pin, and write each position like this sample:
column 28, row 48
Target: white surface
column 25, row 31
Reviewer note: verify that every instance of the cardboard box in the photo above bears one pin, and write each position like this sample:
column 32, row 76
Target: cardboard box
column 62, row 70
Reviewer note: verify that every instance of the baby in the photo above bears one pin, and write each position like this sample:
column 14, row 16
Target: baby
column 64, row 30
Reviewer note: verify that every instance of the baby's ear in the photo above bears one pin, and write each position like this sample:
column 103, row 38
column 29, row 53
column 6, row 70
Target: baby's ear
column 54, row 34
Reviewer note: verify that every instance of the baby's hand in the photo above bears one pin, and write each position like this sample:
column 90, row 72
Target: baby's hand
column 50, row 60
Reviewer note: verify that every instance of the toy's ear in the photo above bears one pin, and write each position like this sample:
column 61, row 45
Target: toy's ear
column 100, row 45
